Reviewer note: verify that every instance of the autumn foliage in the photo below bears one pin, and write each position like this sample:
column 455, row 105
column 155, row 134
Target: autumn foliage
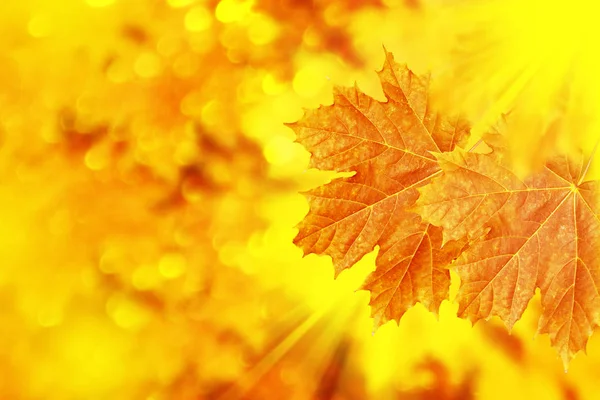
column 431, row 205
column 150, row 193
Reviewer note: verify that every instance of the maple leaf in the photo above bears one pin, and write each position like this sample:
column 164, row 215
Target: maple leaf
column 540, row 232
column 387, row 145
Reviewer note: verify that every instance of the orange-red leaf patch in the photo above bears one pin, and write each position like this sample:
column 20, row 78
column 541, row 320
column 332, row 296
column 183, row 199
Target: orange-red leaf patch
column 388, row 146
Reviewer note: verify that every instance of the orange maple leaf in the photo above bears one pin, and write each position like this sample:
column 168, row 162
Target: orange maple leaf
column 388, row 146
column 541, row 232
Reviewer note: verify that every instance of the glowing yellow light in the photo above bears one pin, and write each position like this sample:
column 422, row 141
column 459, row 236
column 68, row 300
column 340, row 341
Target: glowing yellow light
column 180, row 3
column 96, row 158
column 146, row 277
column 49, row 134
column 262, row 30
column 68, row 220
column 232, row 10
column 279, row 150
column 198, row 19
column 147, row 65
column 125, row 313
column 172, row 265
column 40, row 26
column 91, row 350
column 229, row 253
column 534, row 63
column 271, row 86
column 186, row 153
column 100, row 3
column 231, row 38
column 308, row 82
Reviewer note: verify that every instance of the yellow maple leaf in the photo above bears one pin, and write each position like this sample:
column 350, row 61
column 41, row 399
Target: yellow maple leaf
column 540, row 232
column 387, row 146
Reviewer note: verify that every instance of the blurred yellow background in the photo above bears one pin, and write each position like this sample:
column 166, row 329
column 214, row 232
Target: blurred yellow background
column 149, row 191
